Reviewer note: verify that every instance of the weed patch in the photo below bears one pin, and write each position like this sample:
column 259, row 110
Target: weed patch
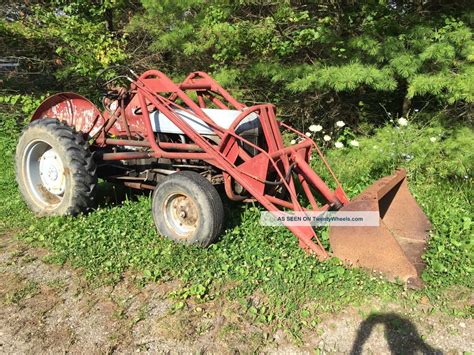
column 29, row 290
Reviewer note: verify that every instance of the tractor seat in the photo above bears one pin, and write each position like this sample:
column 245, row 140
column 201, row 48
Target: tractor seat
column 223, row 118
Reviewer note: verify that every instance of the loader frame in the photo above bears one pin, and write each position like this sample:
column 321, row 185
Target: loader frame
column 153, row 90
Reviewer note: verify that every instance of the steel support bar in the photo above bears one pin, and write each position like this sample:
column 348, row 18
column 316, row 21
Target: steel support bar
column 315, row 180
column 145, row 143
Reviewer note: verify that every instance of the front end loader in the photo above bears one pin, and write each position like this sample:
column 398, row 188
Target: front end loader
column 183, row 139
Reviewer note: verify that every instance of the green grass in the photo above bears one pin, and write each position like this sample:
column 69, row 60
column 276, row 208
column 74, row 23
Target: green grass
column 292, row 287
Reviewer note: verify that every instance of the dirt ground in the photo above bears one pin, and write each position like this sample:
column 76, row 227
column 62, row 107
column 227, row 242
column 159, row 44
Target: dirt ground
column 48, row 308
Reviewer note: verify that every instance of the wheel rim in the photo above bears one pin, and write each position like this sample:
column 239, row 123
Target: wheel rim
column 44, row 173
column 181, row 214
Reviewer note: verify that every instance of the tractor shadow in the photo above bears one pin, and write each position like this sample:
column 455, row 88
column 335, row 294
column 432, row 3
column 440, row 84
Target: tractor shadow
column 232, row 212
column 401, row 335
column 110, row 195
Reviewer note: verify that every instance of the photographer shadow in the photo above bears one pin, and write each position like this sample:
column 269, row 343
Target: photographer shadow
column 401, row 335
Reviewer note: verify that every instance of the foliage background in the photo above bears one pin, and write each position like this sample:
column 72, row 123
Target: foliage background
column 320, row 61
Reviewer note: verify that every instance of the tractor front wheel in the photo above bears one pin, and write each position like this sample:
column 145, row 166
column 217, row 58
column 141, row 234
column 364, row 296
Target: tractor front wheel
column 188, row 209
column 55, row 170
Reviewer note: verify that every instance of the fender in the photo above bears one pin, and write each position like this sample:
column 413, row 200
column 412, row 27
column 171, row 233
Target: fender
column 75, row 110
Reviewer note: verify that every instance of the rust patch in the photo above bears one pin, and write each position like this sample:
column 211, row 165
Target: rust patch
column 394, row 248
column 48, row 196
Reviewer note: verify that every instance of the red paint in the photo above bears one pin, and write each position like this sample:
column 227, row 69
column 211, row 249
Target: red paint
column 73, row 109
column 129, row 125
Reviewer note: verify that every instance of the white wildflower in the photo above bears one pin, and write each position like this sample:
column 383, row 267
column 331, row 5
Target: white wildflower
column 326, row 138
column 433, row 139
column 340, row 124
column 308, row 134
column 339, row 145
column 402, row 121
column 293, row 142
column 354, row 143
column 315, row 128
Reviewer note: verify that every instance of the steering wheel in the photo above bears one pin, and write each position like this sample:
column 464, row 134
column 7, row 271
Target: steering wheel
column 104, row 80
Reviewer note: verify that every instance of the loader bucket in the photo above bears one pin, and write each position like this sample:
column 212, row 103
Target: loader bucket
column 395, row 247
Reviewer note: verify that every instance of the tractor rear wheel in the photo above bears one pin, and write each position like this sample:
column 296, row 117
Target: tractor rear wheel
column 55, row 170
column 187, row 208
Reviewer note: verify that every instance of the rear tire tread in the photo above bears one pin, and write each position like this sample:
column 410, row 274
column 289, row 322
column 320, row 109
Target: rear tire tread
column 81, row 162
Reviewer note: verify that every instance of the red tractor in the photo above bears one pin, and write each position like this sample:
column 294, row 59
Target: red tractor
column 181, row 140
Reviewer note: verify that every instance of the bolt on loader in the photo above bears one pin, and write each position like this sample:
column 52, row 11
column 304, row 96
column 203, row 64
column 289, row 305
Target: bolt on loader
column 183, row 139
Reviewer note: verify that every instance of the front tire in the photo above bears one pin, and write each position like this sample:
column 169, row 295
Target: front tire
column 55, row 170
column 187, row 209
